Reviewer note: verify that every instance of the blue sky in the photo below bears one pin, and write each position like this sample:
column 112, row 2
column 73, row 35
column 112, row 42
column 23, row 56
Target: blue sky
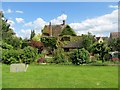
column 81, row 16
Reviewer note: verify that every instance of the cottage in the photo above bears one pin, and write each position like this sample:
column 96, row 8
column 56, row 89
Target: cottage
column 66, row 41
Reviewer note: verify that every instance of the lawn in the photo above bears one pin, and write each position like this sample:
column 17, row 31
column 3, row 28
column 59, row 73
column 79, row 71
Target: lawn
column 0, row 76
column 61, row 76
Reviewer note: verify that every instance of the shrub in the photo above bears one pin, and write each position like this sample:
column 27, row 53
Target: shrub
column 58, row 56
column 41, row 60
column 26, row 55
column 29, row 55
column 6, row 46
column 10, row 56
column 79, row 56
column 107, row 57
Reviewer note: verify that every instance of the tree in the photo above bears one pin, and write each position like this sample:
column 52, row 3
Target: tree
column 101, row 49
column 36, row 37
column 32, row 34
column 37, row 44
column 87, row 41
column 114, row 44
column 68, row 31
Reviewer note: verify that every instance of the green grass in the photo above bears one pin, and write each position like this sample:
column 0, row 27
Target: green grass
column 0, row 76
column 61, row 76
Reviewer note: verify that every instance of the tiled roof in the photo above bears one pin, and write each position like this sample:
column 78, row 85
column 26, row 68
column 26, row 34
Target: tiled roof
column 114, row 34
column 56, row 29
column 74, row 43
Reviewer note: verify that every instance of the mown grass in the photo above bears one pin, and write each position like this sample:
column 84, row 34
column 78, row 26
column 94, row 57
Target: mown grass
column 0, row 76
column 61, row 76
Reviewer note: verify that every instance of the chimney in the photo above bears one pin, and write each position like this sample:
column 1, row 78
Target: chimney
column 50, row 29
column 63, row 22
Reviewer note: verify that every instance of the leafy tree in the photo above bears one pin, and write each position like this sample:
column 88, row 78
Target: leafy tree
column 36, row 37
column 87, row 41
column 68, row 31
column 101, row 49
column 37, row 44
column 5, row 29
column 25, row 43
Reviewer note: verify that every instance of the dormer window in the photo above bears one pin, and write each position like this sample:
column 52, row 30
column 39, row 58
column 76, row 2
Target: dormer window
column 65, row 38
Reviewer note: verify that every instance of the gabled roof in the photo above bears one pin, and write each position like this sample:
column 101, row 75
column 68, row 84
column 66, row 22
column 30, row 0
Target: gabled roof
column 56, row 29
column 114, row 34
column 76, row 42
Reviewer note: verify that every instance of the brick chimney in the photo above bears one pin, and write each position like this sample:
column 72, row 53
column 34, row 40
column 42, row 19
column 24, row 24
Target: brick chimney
column 50, row 28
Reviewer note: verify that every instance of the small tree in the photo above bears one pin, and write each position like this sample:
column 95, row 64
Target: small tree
column 101, row 49
column 87, row 41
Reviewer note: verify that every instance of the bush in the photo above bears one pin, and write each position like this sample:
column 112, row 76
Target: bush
column 107, row 57
column 80, row 56
column 6, row 46
column 29, row 55
column 10, row 56
column 41, row 60
column 26, row 55
column 58, row 56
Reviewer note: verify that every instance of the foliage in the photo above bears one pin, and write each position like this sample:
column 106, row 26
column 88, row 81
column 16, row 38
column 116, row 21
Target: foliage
column 101, row 49
column 107, row 57
column 38, row 45
column 25, row 43
column 49, row 41
column 58, row 56
column 87, row 41
column 115, row 44
column 41, row 60
column 26, row 55
column 36, row 37
column 80, row 56
column 6, row 46
column 10, row 56
column 68, row 31
column 15, row 42
column 29, row 55
column 32, row 34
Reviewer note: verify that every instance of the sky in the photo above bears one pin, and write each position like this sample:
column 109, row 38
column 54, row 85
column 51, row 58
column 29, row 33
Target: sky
column 99, row 18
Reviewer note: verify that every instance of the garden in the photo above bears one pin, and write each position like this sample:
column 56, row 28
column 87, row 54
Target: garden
column 89, row 66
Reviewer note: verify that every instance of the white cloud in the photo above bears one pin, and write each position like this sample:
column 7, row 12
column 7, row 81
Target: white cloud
column 99, row 26
column 19, row 20
column 39, row 23
column 24, row 33
column 28, row 24
column 11, row 22
column 9, row 11
column 59, row 19
column 112, row 6
column 18, row 11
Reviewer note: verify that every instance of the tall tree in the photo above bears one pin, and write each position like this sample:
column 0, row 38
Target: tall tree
column 87, row 41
